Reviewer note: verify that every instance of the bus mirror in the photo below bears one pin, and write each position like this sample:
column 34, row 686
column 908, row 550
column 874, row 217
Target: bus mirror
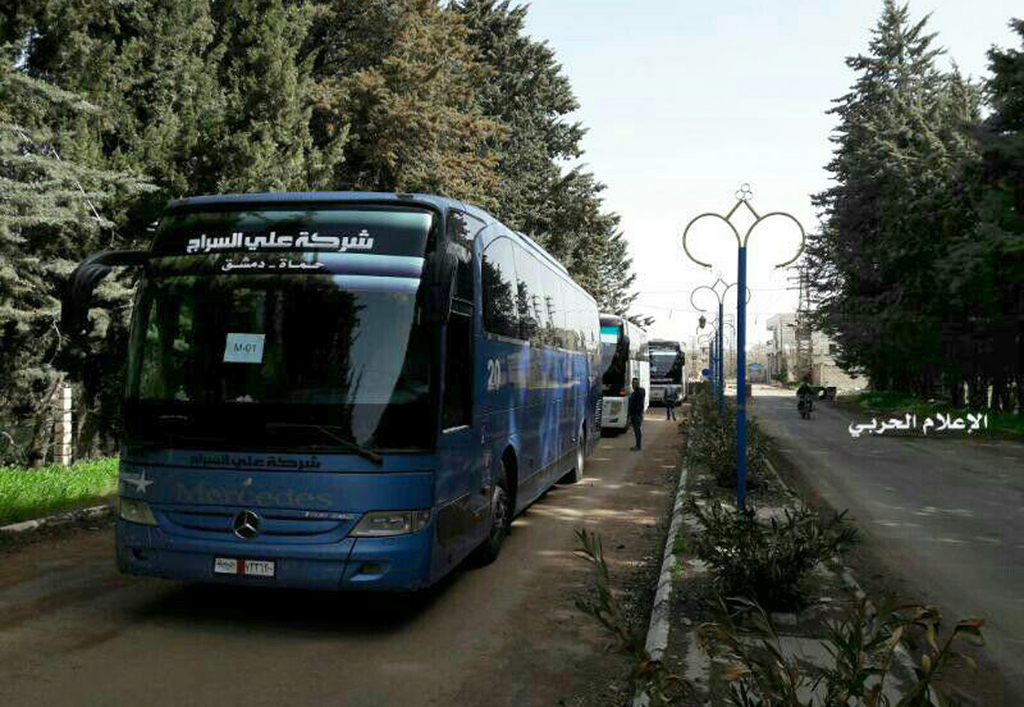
column 83, row 281
column 441, row 271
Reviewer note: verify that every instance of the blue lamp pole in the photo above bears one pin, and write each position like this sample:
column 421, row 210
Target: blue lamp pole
column 743, row 196
column 719, row 373
column 706, row 339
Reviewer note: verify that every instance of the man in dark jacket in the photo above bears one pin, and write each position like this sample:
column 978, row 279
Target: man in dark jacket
column 671, row 400
column 805, row 391
column 636, row 412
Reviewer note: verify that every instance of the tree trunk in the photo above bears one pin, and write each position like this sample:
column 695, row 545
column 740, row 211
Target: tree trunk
column 36, row 447
column 86, row 433
column 998, row 386
column 958, row 394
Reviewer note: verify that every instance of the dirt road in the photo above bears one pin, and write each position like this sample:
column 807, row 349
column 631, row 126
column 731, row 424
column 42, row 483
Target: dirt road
column 74, row 632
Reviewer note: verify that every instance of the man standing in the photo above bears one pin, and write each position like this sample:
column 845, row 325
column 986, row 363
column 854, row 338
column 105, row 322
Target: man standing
column 671, row 398
column 636, row 412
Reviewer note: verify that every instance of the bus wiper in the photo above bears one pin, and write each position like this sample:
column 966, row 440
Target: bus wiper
column 358, row 449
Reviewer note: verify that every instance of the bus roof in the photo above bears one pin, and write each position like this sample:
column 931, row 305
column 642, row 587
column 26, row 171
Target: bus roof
column 307, row 196
column 341, row 197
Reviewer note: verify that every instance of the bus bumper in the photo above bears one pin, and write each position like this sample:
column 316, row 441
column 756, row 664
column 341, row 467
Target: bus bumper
column 614, row 412
column 399, row 563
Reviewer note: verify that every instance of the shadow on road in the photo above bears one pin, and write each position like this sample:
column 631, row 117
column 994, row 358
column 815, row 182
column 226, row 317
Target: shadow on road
column 297, row 612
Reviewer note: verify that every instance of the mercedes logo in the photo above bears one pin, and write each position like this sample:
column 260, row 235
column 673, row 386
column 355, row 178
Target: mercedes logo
column 246, row 525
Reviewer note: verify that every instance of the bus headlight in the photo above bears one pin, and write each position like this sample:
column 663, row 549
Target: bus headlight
column 135, row 511
column 382, row 523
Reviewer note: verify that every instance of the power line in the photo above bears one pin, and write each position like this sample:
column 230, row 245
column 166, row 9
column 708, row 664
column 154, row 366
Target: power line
column 688, row 310
column 686, row 292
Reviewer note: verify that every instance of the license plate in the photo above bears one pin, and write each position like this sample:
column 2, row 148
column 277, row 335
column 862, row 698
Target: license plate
column 243, row 568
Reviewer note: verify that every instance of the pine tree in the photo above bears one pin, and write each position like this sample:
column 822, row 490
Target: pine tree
column 397, row 80
column 985, row 264
column 265, row 141
column 529, row 95
column 902, row 139
column 204, row 96
column 54, row 202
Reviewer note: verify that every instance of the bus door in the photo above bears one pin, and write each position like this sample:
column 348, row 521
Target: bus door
column 461, row 488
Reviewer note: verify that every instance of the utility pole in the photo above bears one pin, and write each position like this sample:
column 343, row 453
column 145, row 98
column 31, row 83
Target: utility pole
column 804, row 342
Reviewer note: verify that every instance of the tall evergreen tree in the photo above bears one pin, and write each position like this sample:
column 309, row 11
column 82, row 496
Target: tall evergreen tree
column 529, row 94
column 52, row 213
column 203, row 96
column 900, row 145
column 397, row 80
column 985, row 264
column 264, row 141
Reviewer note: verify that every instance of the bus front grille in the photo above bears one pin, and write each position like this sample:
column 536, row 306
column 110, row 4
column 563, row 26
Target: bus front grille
column 277, row 526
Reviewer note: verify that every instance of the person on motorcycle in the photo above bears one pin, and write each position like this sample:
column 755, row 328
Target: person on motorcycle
column 805, row 393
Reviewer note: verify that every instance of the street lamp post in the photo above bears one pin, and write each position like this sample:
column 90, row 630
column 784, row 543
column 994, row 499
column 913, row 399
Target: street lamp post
column 743, row 196
column 706, row 339
column 719, row 335
column 722, row 360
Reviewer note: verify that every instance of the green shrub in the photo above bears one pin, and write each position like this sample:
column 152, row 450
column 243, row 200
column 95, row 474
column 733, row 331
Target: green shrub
column 765, row 560
column 862, row 646
column 710, row 439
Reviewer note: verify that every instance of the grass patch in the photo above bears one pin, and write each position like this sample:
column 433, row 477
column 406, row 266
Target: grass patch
column 998, row 422
column 26, row 494
column 679, row 546
column 678, row 572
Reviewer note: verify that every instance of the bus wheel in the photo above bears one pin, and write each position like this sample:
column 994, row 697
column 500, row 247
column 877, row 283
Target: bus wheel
column 501, row 518
column 577, row 471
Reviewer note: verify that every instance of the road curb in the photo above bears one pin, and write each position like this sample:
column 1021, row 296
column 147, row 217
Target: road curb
column 93, row 512
column 657, row 630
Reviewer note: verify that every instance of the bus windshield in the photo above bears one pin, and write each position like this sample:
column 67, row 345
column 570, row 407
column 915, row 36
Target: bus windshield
column 666, row 363
column 279, row 361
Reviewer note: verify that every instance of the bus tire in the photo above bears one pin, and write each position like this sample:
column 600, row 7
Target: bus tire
column 576, row 473
column 501, row 518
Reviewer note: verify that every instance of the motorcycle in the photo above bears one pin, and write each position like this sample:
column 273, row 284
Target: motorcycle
column 805, row 405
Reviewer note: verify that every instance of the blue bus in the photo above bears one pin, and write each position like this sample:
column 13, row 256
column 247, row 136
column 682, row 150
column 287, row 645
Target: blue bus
column 342, row 390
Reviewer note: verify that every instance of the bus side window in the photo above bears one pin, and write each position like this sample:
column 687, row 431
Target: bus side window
column 530, row 296
column 563, row 309
column 578, row 320
column 498, row 276
column 457, row 407
column 549, row 305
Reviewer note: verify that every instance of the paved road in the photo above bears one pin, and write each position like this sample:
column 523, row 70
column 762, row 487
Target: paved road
column 74, row 632
column 947, row 514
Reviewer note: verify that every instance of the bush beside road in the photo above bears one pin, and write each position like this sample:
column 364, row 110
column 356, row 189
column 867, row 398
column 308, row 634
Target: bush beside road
column 27, row 494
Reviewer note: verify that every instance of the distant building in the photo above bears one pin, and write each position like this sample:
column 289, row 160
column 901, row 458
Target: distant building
column 824, row 369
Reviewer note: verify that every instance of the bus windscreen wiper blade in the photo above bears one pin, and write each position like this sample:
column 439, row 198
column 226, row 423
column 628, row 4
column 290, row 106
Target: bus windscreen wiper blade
column 358, row 449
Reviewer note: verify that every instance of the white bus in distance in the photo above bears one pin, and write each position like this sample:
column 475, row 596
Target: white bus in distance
column 668, row 367
column 625, row 355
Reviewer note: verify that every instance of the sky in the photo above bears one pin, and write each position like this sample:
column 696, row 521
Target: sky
column 686, row 101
